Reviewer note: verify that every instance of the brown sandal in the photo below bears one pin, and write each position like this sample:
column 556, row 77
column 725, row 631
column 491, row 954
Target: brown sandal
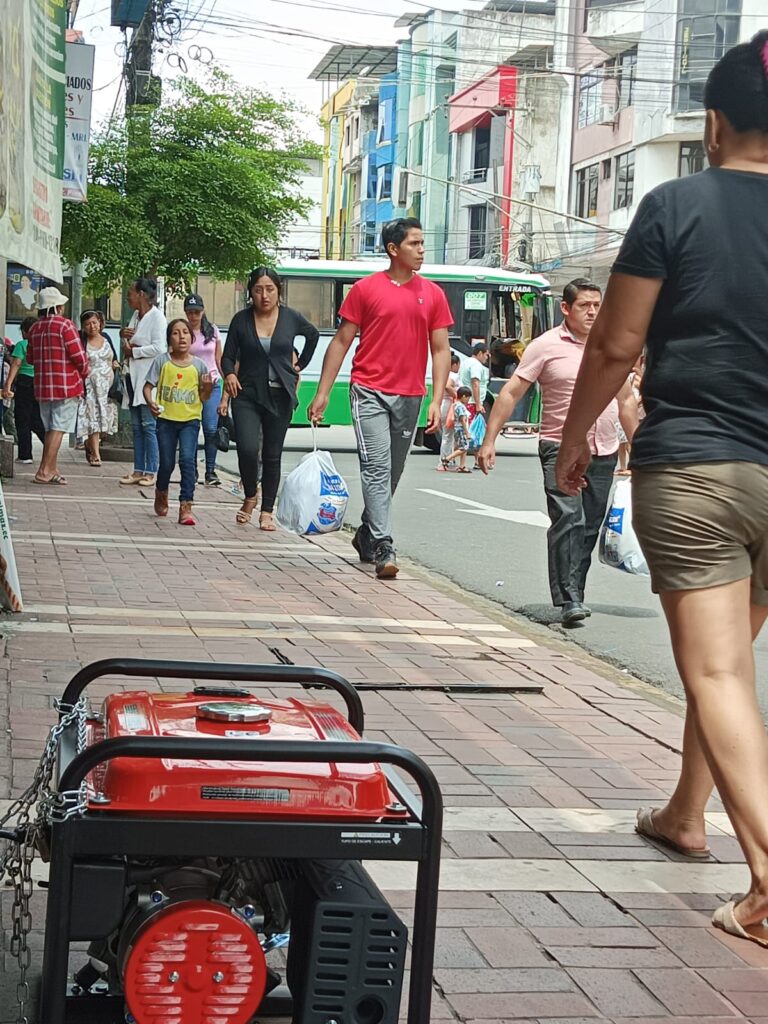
column 244, row 514
column 267, row 522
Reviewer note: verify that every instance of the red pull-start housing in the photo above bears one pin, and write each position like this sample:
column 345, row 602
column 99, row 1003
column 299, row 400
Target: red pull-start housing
column 191, row 788
column 195, row 962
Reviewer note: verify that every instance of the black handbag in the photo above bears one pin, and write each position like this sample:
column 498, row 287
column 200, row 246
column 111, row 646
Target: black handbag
column 225, row 432
column 116, row 389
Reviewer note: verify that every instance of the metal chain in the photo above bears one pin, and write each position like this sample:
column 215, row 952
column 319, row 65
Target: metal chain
column 17, row 860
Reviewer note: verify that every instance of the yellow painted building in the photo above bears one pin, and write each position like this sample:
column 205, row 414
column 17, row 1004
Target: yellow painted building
column 335, row 204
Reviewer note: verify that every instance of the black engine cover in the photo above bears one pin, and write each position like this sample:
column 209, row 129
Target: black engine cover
column 347, row 951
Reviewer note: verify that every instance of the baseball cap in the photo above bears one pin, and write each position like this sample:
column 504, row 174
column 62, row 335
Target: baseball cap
column 193, row 302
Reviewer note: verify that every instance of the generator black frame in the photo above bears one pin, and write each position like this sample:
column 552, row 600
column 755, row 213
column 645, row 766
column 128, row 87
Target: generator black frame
column 97, row 834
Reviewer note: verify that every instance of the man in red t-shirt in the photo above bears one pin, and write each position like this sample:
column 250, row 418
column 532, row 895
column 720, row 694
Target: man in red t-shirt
column 401, row 317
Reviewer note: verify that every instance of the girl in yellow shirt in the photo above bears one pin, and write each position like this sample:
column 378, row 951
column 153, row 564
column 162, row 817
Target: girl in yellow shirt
column 181, row 383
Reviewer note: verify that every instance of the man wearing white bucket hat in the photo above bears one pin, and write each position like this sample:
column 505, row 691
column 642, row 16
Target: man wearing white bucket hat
column 61, row 365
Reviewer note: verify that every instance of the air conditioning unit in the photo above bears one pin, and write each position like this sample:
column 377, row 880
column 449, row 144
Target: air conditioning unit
column 608, row 113
column 400, row 187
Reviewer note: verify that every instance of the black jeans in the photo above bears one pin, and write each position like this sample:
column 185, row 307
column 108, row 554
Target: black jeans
column 575, row 522
column 258, row 427
column 27, row 415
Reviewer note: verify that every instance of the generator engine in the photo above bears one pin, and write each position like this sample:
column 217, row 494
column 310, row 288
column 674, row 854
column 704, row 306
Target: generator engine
column 212, row 936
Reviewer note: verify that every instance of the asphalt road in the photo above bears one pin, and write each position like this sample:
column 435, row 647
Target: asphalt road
column 488, row 534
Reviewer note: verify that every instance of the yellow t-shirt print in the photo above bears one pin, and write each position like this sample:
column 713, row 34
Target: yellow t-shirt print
column 178, row 391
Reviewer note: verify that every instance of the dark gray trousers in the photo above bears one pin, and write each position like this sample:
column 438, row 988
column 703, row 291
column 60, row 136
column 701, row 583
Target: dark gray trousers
column 384, row 427
column 575, row 522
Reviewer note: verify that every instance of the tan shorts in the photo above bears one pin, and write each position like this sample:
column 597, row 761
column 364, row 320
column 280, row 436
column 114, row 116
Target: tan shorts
column 703, row 524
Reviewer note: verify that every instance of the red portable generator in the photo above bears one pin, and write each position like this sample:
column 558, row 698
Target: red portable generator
column 207, row 845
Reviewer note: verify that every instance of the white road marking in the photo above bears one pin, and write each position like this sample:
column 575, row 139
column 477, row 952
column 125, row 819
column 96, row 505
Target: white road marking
column 478, row 508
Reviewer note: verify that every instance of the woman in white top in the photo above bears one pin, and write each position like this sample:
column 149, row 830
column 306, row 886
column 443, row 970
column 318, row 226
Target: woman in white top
column 143, row 341
column 446, row 445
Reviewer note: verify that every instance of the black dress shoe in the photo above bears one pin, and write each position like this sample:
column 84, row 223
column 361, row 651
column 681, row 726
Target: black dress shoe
column 573, row 612
column 364, row 551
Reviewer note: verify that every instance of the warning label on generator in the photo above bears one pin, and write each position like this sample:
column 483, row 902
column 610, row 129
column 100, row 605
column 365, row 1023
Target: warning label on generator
column 245, row 793
column 372, row 838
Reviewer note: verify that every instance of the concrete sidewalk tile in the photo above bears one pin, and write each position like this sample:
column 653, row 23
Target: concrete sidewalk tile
column 613, row 938
column 531, row 1005
column 614, row 991
column 747, row 952
column 534, row 909
column 738, row 979
column 698, row 947
column 586, row 956
column 684, row 993
column 593, row 910
column 508, row 947
column 521, row 979
column 454, row 949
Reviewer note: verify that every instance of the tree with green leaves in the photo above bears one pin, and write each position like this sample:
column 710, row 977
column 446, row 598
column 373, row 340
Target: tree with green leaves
column 206, row 182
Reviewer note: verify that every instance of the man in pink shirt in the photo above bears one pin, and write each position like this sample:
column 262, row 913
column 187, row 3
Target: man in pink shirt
column 554, row 359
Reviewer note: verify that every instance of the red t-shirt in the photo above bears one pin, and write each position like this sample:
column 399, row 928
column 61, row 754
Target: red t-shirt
column 395, row 323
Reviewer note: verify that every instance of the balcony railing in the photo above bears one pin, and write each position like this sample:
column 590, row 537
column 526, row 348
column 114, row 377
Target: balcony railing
column 477, row 174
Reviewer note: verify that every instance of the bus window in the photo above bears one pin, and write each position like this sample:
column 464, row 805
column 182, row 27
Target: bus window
column 222, row 299
column 509, row 333
column 313, row 299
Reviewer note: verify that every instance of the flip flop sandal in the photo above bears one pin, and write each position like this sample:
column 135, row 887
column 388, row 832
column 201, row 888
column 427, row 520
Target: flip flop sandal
column 464, row 470
column 725, row 918
column 645, row 828
column 55, row 479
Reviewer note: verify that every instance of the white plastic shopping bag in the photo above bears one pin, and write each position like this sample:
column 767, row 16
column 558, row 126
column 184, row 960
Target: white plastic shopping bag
column 619, row 546
column 314, row 496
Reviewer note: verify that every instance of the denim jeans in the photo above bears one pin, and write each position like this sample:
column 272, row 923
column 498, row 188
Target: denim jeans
column 210, row 424
column 145, row 453
column 576, row 522
column 170, row 436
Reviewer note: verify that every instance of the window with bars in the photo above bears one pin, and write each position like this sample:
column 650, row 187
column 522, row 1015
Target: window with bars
column 624, row 187
column 478, row 231
column 626, row 71
column 586, row 191
column 691, row 158
column 705, row 30
column 591, row 97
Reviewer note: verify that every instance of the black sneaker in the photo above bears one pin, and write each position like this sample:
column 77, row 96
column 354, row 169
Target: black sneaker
column 386, row 562
column 212, row 481
column 364, row 551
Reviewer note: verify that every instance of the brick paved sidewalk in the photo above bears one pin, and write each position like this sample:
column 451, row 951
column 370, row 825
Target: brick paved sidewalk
column 552, row 909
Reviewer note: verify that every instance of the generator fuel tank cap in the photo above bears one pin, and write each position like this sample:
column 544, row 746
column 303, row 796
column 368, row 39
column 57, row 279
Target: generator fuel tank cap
column 230, row 711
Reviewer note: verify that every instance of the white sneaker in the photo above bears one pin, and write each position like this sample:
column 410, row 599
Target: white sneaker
column 25, row 462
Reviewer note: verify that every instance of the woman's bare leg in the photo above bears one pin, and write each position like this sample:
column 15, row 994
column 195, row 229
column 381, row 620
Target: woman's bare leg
column 712, row 633
column 682, row 818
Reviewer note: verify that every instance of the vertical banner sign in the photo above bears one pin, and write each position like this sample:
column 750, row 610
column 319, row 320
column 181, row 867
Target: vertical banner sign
column 32, row 82
column 10, row 591
column 78, row 111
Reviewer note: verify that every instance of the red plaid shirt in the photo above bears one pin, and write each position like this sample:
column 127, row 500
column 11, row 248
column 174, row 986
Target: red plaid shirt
column 57, row 354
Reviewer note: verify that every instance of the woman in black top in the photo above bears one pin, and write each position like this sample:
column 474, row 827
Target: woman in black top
column 260, row 378
column 691, row 283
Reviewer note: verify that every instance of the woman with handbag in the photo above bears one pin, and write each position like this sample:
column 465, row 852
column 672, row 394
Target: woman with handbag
column 260, row 378
column 97, row 414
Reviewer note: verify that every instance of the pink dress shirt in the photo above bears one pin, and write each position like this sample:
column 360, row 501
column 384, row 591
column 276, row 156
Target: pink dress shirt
column 553, row 359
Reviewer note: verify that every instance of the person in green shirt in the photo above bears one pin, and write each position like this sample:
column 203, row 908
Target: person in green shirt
column 20, row 386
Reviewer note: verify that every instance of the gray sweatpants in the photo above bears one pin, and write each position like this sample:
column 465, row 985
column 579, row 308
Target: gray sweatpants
column 385, row 426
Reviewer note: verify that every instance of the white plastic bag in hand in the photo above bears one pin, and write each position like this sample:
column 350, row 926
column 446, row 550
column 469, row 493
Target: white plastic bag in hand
column 314, row 496
column 619, row 546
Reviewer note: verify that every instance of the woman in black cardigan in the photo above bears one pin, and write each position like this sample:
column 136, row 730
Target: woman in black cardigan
column 260, row 378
